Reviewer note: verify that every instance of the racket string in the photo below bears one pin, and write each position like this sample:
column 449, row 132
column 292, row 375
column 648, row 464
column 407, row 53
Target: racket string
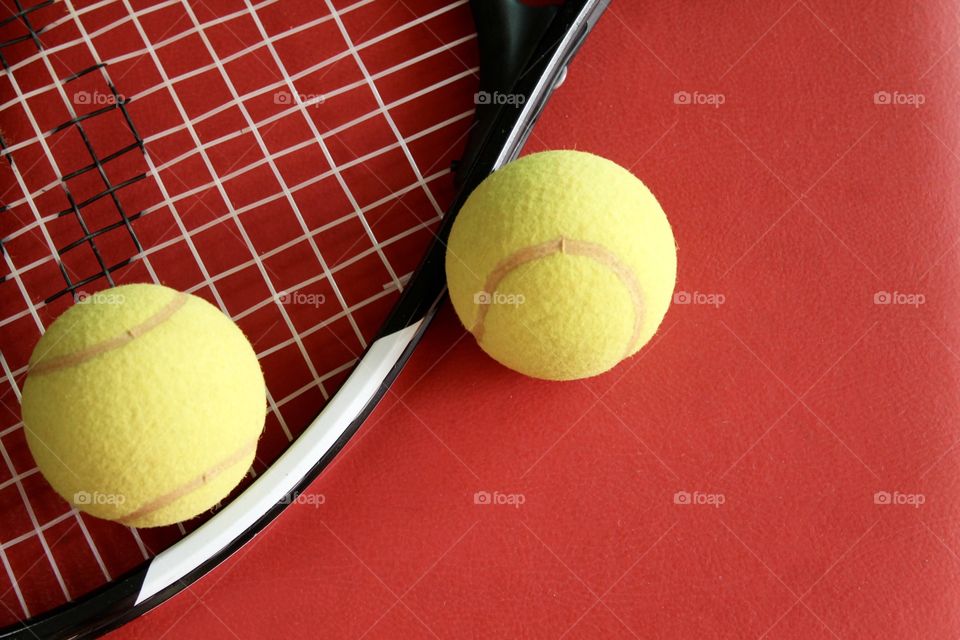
column 176, row 202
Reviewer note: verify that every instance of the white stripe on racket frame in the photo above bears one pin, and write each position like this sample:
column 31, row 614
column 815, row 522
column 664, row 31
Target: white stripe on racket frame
column 284, row 474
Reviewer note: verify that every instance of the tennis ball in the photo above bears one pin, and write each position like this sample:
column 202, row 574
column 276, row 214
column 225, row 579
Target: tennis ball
column 143, row 405
column 561, row 264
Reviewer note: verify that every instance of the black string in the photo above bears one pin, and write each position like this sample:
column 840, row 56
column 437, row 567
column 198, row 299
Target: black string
column 22, row 12
column 110, row 191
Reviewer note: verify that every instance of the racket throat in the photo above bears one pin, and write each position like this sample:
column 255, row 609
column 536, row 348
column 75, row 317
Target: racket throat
column 509, row 34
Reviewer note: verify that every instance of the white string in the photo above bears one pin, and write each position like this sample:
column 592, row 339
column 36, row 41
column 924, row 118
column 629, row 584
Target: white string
column 35, row 523
column 383, row 108
column 266, row 89
column 14, row 583
column 285, row 190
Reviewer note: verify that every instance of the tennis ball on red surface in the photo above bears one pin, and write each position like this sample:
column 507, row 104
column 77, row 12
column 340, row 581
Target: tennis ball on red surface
column 561, row 264
column 143, row 405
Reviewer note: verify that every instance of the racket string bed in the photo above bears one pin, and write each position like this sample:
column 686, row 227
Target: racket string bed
column 109, row 191
column 29, row 200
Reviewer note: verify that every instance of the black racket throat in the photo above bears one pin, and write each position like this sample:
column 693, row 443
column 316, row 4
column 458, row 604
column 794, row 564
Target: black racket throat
column 508, row 35
column 518, row 73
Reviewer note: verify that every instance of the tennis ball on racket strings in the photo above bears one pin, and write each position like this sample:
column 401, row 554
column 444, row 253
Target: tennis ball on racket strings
column 143, row 405
column 561, row 264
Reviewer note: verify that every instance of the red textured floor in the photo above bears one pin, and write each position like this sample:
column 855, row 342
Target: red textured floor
column 723, row 483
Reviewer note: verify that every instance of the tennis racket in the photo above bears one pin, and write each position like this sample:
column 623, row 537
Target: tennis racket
column 290, row 161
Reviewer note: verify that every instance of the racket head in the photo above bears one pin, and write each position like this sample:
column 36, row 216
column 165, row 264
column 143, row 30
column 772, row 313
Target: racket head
column 158, row 147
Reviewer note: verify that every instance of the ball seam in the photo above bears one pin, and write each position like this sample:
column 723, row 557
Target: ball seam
column 567, row 246
column 189, row 487
column 73, row 359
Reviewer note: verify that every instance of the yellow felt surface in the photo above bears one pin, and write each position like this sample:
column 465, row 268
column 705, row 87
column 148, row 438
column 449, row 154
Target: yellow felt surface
column 576, row 317
column 157, row 415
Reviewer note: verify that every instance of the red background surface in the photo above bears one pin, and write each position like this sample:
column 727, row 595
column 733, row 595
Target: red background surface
column 799, row 199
